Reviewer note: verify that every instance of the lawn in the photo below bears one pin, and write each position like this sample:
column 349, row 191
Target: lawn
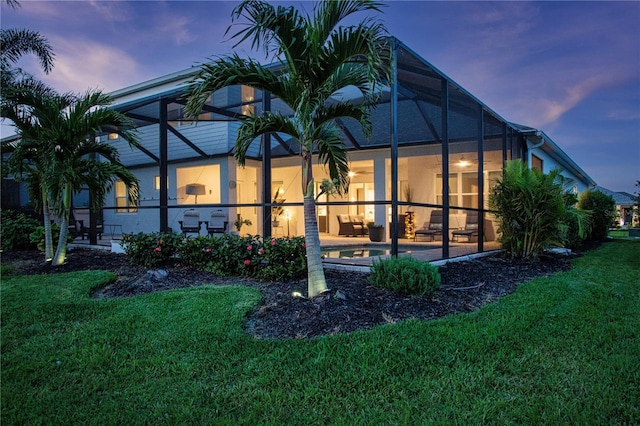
column 562, row 349
column 619, row 233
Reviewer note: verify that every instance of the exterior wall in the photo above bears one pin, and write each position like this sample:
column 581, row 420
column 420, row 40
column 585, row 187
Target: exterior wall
column 147, row 219
column 549, row 163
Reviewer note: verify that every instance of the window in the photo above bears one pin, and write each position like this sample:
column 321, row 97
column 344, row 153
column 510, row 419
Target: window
column 157, row 183
column 536, row 163
column 205, row 177
column 247, row 100
column 463, row 188
column 124, row 204
column 469, row 189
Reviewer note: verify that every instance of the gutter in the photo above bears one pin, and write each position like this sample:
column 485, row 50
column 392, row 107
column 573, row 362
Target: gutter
column 531, row 146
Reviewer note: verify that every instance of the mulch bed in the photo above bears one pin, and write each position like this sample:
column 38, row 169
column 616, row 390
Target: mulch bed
column 351, row 304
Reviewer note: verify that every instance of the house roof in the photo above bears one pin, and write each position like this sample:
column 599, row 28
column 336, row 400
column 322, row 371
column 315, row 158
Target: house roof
column 554, row 151
column 622, row 199
column 419, row 87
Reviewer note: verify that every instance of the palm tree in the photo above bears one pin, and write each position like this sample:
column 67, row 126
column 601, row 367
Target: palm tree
column 318, row 59
column 80, row 160
column 16, row 43
column 30, row 158
column 27, row 159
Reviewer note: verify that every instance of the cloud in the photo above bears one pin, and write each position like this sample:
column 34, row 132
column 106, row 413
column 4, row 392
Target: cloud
column 178, row 27
column 84, row 64
column 111, row 11
column 622, row 114
column 552, row 109
column 41, row 9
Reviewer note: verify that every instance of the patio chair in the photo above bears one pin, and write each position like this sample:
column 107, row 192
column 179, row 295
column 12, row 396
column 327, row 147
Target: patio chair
column 347, row 228
column 81, row 223
column 470, row 228
column 431, row 228
column 359, row 227
column 190, row 223
column 217, row 223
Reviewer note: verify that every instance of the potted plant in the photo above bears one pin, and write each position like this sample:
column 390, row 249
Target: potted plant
column 376, row 232
column 240, row 222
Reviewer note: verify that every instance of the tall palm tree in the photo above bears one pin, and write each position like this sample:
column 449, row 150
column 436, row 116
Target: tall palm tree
column 27, row 159
column 30, row 158
column 318, row 58
column 15, row 43
column 79, row 160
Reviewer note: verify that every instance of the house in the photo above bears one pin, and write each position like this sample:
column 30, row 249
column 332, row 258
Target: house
column 433, row 146
column 624, row 203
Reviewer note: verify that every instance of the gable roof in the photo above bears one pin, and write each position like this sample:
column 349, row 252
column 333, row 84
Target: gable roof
column 622, row 199
column 555, row 152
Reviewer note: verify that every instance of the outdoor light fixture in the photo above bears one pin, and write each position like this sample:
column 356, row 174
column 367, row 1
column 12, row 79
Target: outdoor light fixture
column 287, row 217
column 463, row 162
column 351, row 174
column 195, row 189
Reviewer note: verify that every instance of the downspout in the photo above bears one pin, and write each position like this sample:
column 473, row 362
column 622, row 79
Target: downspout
column 531, row 147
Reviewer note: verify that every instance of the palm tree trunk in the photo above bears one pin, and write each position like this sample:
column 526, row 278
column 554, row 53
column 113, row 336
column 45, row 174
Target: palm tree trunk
column 315, row 273
column 48, row 239
column 61, row 251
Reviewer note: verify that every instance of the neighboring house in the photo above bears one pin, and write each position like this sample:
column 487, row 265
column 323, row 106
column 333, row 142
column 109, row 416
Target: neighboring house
column 624, row 207
column 432, row 141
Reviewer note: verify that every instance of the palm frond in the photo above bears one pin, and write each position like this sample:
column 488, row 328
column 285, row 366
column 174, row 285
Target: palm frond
column 327, row 15
column 276, row 30
column 19, row 42
column 362, row 45
column 333, row 154
column 255, row 126
column 360, row 113
column 231, row 71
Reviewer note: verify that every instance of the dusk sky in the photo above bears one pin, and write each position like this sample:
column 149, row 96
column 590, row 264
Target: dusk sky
column 571, row 69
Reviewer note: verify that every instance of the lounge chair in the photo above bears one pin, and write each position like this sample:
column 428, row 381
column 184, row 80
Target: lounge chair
column 432, row 228
column 351, row 225
column 359, row 227
column 470, row 228
column 218, row 222
column 190, row 223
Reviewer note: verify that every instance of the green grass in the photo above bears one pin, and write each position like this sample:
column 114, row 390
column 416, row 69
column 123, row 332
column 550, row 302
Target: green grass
column 619, row 233
column 561, row 350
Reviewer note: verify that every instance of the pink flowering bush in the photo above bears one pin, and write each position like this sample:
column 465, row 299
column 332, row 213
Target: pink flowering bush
column 285, row 259
column 274, row 259
column 152, row 250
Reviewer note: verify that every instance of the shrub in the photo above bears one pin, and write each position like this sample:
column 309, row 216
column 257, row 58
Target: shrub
column 37, row 236
column 279, row 259
column 283, row 259
column 603, row 211
column 405, row 275
column 229, row 254
column 197, row 252
column 530, row 206
column 224, row 255
column 15, row 230
column 576, row 223
column 151, row 250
